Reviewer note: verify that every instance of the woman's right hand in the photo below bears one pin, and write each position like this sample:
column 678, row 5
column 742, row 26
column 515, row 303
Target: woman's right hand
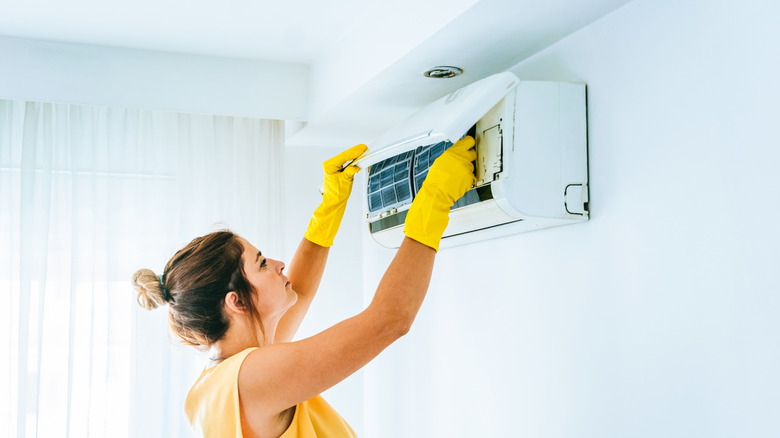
column 449, row 178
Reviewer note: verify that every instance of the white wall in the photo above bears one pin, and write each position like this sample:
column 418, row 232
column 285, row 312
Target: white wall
column 658, row 318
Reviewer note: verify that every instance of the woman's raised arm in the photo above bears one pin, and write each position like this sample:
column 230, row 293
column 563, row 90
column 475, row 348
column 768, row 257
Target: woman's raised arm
column 308, row 263
column 277, row 377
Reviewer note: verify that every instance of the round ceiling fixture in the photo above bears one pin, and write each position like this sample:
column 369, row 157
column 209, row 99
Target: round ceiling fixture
column 443, row 72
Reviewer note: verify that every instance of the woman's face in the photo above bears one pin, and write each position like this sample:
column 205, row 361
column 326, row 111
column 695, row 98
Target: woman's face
column 274, row 295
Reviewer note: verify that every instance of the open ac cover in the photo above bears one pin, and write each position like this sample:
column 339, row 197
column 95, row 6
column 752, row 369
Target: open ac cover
column 531, row 169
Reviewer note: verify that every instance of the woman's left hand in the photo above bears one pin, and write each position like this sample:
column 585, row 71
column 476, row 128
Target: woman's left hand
column 336, row 190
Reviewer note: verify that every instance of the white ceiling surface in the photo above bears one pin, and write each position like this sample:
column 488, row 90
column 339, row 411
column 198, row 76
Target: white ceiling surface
column 489, row 37
column 366, row 57
column 277, row 31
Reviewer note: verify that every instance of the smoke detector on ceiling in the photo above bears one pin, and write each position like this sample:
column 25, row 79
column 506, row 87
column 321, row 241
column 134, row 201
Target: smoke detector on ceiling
column 443, row 72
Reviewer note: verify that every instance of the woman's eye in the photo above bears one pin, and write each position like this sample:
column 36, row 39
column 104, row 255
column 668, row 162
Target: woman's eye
column 263, row 263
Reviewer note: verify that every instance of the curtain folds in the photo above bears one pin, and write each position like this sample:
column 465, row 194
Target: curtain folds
column 88, row 195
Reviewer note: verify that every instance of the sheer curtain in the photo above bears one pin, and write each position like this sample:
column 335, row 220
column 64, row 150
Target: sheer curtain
column 88, row 195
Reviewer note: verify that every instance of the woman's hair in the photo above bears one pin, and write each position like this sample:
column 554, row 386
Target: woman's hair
column 194, row 284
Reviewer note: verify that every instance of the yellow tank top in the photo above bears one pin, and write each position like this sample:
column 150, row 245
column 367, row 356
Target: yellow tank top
column 212, row 407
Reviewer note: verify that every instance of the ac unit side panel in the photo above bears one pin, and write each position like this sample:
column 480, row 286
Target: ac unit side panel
column 550, row 151
column 534, row 183
column 574, row 138
column 574, row 147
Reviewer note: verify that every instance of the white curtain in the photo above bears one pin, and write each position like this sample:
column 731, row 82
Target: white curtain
column 88, row 195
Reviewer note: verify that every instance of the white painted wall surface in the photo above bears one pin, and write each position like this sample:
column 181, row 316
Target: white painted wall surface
column 45, row 71
column 659, row 317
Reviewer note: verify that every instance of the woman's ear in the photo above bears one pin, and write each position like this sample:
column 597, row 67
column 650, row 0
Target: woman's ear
column 233, row 303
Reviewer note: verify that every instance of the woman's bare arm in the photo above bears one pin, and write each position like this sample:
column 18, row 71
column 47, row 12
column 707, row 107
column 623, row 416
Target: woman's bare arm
column 305, row 272
column 308, row 263
column 277, row 377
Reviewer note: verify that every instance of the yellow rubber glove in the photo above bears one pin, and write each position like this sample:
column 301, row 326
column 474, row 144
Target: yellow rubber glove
column 449, row 178
column 336, row 189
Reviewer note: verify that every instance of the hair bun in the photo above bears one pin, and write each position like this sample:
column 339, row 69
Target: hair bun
column 150, row 292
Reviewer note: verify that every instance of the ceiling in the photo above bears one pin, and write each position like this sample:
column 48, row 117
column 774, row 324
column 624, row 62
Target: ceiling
column 276, row 31
column 365, row 57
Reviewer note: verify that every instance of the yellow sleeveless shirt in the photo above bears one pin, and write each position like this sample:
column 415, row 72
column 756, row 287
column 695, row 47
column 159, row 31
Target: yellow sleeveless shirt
column 212, row 407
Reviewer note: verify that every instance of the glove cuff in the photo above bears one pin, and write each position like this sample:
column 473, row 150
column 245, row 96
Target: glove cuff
column 325, row 222
column 426, row 221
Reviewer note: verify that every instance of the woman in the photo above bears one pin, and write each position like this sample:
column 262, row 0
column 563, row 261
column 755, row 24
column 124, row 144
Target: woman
column 224, row 294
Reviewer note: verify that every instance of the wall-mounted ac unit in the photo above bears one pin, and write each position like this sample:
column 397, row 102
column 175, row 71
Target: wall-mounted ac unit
column 531, row 169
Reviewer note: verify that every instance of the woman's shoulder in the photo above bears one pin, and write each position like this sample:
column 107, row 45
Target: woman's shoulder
column 216, row 381
column 237, row 358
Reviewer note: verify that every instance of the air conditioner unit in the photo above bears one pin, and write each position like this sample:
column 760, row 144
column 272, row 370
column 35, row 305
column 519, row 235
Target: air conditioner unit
column 531, row 168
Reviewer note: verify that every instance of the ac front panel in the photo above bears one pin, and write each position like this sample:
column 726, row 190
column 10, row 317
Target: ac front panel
column 446, row 119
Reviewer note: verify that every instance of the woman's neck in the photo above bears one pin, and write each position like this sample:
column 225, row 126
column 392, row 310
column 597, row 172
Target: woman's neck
column 240, row 336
